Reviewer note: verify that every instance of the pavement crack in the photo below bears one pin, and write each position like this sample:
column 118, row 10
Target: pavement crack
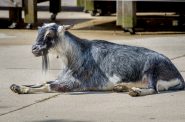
column 30, row 68
column 26, row 106
column 182, row 71
column 177, row 57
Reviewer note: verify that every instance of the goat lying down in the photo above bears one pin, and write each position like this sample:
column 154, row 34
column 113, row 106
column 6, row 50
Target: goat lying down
column 101, row 65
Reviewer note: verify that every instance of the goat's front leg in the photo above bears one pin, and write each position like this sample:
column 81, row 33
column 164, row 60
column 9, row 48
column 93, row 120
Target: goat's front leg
column 48, row 87
column 31, row 89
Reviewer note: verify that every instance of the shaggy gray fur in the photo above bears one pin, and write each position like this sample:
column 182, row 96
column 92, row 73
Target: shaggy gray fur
column 90, row 64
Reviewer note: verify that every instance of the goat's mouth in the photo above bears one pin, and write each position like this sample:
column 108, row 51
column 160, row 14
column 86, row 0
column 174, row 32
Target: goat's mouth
column 37, row 54
column 41, row 53
column 38, row 50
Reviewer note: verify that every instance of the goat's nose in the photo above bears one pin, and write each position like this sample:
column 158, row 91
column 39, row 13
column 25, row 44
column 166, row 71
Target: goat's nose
column 36, row 50
column 35, row 47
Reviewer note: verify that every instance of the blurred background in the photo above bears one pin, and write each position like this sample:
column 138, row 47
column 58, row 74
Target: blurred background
column 129, row 16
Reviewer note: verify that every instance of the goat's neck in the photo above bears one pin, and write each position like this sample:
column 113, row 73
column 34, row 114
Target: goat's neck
column 70, row 48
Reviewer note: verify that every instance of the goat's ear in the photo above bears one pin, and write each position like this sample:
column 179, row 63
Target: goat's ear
column 60, row 28
column 64, row 27
column 67, row 27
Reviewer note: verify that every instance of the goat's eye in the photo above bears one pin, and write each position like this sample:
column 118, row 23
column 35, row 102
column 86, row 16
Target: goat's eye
column 48, row 37
column 48, row 41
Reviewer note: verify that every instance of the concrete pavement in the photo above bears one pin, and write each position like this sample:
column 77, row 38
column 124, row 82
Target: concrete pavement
column 19, row 66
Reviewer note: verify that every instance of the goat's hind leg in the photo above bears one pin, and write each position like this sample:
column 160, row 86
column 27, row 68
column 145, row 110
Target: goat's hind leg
column 127, row 86
column 31, row 89
column 134, row 89
column 175, row 84
column 134, row 92
column 150, row 88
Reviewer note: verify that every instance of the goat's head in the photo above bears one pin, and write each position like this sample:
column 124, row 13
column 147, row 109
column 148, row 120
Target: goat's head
column 47, row 38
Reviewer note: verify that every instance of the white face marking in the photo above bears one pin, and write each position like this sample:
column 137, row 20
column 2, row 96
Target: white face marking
column 165, row 85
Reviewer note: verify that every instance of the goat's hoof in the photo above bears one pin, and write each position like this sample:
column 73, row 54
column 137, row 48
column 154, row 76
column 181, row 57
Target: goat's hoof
column 15, row 88
column 134, row 92
column 19, row 89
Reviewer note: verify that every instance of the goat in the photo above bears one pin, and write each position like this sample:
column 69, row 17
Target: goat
column 101, row 66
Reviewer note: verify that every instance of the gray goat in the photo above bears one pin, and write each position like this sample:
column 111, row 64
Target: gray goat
column 101, row 66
